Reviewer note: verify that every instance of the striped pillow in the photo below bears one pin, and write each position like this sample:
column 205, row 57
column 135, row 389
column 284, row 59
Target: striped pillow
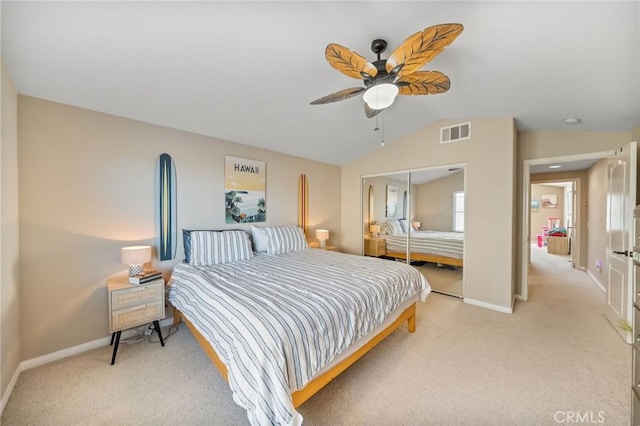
column 394, row 227
column 283, row 239
column 213, row 247
column 404, row 225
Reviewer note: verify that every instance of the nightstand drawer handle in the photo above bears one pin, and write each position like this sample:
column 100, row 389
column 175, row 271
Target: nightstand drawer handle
column 133, row 308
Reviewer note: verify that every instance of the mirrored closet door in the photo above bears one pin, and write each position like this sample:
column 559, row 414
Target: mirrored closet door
column 418, row 217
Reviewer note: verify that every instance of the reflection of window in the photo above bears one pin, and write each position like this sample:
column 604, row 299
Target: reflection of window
column 458, row 211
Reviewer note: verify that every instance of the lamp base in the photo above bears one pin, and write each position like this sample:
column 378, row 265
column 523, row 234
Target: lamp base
column 323, row 245
column 135, row 270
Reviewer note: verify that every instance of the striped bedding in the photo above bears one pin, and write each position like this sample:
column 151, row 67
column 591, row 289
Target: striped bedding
column 450, row 244
column 275, row 321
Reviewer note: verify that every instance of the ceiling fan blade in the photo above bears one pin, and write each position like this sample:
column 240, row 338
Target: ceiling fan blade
column 370, row 112
column 424, row 83
column 421, row 47
column 338, row 96
column 348, row 62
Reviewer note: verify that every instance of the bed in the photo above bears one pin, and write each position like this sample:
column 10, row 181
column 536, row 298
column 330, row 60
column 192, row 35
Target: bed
column 282, row 324
column 442, row 247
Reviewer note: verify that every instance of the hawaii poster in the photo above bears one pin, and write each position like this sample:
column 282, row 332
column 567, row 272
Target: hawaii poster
column 245, row 188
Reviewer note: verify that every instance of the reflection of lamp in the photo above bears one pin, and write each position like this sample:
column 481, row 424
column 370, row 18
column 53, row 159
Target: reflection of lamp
column 416, row 225
column 380, row 95
column 135, row 257
column 375, row 230
column 322, row 235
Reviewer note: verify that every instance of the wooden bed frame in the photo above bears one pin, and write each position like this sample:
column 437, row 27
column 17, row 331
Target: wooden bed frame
column 300, row 396
column 427, row 258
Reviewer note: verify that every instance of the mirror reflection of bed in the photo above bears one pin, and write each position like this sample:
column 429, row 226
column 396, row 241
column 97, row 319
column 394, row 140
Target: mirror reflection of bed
column 426, row 225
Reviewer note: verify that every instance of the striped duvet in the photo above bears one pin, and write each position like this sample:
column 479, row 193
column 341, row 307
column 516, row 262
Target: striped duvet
column 275, row 321
column 450, row 244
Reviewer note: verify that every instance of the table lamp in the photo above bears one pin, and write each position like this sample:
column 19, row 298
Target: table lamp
column 416, row 225
column 135, row 257
column 322, row 235
column 375, row 230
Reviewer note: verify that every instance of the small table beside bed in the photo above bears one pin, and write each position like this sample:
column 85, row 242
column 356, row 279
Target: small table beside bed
column 281, row 324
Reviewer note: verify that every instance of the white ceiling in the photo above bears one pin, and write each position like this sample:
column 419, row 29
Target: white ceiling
column 565, row 166
column 246, row 71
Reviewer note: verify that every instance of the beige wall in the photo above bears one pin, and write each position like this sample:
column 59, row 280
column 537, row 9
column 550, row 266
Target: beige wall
column 434, row 202
column 488, row 158
column 87, row 189
column 9, row 288
column 597, row 208
column 539, row 218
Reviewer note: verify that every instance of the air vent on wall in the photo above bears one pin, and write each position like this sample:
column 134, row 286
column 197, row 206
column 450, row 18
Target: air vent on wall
column 455, row 133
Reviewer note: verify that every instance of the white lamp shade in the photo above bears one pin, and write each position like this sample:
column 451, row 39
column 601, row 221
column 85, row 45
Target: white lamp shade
column 322, row 234
column 375, row 229
column 135, row 255
column 380, row 96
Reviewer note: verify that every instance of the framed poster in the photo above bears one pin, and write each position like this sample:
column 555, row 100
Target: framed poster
column 392, row 201
column 535, row 205
column 550, row 201
column 245, row 187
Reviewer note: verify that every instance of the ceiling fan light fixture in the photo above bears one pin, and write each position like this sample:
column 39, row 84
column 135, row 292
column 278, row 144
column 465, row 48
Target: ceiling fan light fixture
column 380, row 96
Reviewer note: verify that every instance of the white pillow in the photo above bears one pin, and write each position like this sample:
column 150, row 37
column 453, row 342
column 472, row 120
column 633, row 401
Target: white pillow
column 394, row 227
column 283, row 239
column 384, row 228
column 404, row 225
column 213, row 247
column 260, row 239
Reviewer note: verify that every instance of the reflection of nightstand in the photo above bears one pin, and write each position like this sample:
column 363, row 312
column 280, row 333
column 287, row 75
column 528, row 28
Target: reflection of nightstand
column 327, row 247
column 131, row 305
column 375, row 247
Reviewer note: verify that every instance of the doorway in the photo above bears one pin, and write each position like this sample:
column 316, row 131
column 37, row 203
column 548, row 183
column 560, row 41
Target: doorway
column 540, row 167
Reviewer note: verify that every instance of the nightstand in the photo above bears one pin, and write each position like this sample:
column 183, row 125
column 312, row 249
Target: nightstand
column 375, row 247
column 131, row 305
column 327, row 247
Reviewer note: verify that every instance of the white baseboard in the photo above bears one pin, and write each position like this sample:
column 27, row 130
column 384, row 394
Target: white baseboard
column 64, row 353
column 520, row 297
column 84, row 347
column 506, row 310
column 7, row 393
column 596, row 281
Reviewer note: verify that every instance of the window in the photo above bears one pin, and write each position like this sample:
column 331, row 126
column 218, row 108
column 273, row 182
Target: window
column 458, row 211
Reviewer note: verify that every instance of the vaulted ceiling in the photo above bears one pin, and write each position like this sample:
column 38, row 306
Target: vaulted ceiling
column 246, row 71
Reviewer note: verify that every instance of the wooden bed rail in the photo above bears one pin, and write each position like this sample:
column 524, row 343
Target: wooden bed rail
column 427, row 258
column 300, row 396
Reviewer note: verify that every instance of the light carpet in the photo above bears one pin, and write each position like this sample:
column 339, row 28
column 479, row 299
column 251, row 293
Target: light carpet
column 464, row 365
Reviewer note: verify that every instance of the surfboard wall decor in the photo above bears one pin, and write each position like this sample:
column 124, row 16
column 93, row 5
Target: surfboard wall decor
column 166, row 223
column 303, row 203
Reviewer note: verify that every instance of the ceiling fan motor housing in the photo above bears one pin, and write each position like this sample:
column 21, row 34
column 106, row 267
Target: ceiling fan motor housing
column 378, row 46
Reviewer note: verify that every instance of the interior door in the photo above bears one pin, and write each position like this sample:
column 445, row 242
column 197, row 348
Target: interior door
column 621, row 202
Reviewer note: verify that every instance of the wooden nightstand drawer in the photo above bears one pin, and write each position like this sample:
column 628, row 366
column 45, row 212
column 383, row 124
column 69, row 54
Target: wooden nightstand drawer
column 136, row 315
column 375, row 247
column 131, row 305
column 137, row 295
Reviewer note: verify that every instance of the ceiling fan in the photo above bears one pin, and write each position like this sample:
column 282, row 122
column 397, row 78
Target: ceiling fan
column 384, row 79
